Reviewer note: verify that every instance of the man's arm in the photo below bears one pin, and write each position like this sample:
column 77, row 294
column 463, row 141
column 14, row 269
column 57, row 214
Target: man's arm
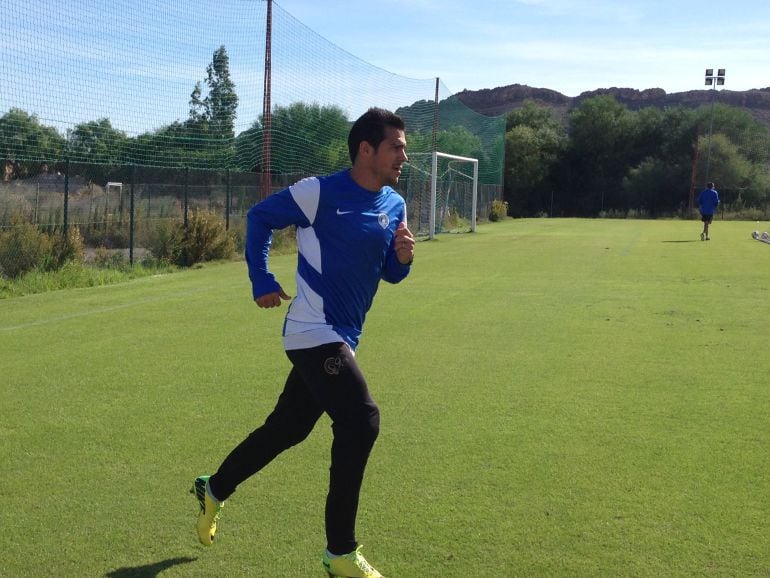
column 276, row 212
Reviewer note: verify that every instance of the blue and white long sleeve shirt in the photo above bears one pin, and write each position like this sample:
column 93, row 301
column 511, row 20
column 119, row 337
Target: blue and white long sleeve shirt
column 345, row 241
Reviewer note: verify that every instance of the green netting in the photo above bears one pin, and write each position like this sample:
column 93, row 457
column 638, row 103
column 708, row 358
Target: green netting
column 180, row 84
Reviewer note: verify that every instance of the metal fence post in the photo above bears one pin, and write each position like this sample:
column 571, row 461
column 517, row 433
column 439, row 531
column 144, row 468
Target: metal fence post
column 186, row 199
column 66, row 196
column 131, row 218
column 227, row 202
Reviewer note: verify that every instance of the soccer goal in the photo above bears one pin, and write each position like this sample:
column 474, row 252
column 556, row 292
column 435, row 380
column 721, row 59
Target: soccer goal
column 441, row 192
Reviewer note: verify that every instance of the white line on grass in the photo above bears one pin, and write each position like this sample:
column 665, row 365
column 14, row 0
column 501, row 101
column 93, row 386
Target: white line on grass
column 98, row 311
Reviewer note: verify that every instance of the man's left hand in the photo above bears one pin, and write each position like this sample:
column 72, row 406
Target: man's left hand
column 404, row 244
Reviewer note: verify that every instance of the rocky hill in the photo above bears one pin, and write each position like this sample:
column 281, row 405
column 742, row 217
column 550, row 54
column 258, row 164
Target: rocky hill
column 496, row 101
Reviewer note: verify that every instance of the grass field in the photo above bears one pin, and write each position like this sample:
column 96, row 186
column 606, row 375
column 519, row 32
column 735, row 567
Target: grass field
column 558, row 397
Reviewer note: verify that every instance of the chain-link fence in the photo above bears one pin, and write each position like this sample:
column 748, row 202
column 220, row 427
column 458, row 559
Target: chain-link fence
column 131, row 99
column 123, row 208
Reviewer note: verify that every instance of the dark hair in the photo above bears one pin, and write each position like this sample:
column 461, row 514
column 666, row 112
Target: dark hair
column 710, row 185
column 370, row 127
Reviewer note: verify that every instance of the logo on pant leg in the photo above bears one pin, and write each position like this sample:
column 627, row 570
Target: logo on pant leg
column 332, row 365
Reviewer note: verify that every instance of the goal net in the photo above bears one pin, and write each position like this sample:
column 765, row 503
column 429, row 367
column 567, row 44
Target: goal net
column 441, row 192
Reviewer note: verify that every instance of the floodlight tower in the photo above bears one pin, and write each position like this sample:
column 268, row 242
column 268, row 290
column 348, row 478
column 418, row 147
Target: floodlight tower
column 713, row 81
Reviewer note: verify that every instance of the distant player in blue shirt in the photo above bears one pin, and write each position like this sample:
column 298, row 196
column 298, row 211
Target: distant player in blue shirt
column 351, row 233
column 708, row 200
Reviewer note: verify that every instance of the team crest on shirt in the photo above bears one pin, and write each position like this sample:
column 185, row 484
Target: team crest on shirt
column 383, row 220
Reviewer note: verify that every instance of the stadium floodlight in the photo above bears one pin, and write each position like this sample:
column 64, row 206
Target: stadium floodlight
column 717, row 79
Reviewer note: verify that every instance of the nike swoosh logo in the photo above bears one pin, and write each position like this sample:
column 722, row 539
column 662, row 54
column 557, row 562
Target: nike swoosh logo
column 343, row 212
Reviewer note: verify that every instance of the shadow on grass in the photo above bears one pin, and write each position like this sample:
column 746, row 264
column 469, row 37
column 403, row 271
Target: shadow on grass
column 687, row 241
column 148, row 570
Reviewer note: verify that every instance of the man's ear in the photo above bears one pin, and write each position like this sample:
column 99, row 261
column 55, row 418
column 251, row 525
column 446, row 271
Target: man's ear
column 365, row 149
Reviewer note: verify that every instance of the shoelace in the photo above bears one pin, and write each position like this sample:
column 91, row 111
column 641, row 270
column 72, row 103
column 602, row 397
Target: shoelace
column 361, row 561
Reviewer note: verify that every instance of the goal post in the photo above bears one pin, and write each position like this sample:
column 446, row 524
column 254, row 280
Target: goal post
column 434, row 188
column 442, row 192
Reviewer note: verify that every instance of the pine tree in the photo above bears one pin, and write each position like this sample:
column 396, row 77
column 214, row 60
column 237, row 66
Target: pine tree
column 221, row 101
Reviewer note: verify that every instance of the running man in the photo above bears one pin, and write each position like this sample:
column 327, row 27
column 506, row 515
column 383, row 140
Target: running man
column 351, row 232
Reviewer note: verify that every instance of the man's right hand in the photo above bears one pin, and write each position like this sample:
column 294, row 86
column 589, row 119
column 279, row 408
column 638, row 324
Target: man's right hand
column 272, row 299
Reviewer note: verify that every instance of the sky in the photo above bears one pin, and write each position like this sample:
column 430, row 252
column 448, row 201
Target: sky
column 570, row 46
column 136, row 62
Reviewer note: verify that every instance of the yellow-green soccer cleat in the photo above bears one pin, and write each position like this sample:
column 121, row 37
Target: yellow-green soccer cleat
column 352, row 565
column 210, row 511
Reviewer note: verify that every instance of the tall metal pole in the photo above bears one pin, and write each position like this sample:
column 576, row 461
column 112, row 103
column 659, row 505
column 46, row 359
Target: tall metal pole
column 693, row 173
column 713, row 81
column 434, row 167
column 131, row 220
column 186, row 202
column 267, row 114
column 433, row 193
column 434, row 144
column 66, row 197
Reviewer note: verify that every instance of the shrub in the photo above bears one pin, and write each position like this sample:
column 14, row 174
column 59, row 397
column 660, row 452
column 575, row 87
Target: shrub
column 105, row 258
column 161, row 240
column 66, row 248
column 112, row 235
column 238, row 232
column 23, row 248
column 498, row 211
column 284, row 241
column 204, row 239
column 451, row 221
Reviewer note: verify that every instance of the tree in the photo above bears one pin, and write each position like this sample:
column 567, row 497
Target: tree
column 97, row 142
column 248, row 148
column 306, row 139
column 532, row 115
column 656, row 186
column 534, row 142
column 662, row 144
column 739, row 126
column 206, row 138
column 458, row 140
column 728, row 166
column 599, row 154
column 28, row 146
column 198, row 111
column 221, row 102
column 615, row 159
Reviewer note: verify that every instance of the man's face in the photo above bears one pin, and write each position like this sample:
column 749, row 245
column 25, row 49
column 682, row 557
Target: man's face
column 389, row 157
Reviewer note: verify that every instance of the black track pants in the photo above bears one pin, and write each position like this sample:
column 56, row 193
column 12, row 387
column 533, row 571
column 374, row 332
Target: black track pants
column 323, row 379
